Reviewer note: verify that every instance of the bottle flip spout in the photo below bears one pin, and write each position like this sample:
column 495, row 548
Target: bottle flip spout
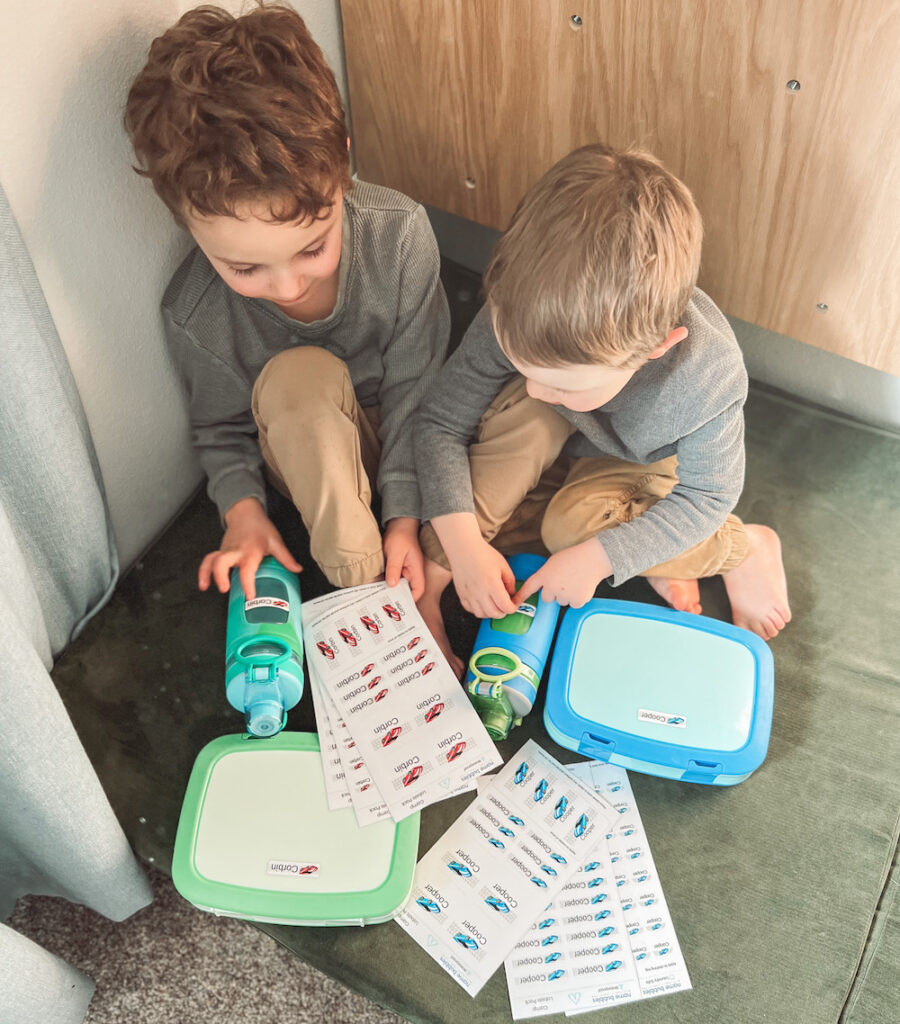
column 264, row 710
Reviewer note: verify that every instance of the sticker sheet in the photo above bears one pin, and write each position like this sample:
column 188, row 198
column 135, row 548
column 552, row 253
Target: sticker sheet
column 615, row 939
column 482, row 885
column 400, row 731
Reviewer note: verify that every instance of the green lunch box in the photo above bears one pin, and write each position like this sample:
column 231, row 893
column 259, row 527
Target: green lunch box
column 257, row 840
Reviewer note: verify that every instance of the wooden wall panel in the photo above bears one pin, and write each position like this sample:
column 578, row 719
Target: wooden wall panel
column 798, row 190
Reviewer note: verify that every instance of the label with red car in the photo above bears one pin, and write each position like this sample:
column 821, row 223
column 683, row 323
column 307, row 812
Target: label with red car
column 388, row 703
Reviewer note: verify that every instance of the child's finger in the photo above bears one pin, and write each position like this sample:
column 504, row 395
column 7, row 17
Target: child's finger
column 508, row 577
column 247, row 572
column 416, row 580
column 392, row 571
column 531, row 586
column 221, row 571
column 204, row 573
column 280, row 551
column 503, row 603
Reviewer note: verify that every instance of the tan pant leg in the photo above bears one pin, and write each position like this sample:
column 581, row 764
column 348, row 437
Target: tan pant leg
column 600, row 493
column 518, row 439
column 321, row 450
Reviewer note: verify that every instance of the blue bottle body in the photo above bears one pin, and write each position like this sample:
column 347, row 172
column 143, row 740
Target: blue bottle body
column 264, row 648
column 512, row 651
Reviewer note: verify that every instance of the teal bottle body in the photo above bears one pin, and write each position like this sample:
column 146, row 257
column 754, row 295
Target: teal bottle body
column 264, row 648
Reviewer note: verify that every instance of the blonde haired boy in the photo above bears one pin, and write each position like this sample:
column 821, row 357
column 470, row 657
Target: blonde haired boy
column 595, row 343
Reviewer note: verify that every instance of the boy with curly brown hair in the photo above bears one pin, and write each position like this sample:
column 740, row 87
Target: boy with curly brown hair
column 594, row 342
column 309, row 320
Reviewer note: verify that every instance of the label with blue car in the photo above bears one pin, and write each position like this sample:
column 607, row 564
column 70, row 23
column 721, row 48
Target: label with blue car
column 480, row 887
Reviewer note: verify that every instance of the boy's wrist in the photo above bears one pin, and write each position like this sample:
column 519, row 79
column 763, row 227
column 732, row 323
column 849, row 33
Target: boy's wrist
column 403, row 524
column 457, row 531
column 245, row 508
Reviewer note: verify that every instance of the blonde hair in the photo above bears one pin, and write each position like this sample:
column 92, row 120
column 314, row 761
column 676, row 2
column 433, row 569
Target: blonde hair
column 598, row 263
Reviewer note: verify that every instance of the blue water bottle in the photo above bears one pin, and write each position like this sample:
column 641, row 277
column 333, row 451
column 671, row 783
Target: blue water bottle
column 264, row 648
column 509, row 657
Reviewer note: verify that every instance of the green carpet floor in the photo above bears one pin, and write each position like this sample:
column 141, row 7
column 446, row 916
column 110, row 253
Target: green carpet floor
column 781, row 889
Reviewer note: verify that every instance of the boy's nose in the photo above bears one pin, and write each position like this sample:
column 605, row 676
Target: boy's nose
column 289, row 289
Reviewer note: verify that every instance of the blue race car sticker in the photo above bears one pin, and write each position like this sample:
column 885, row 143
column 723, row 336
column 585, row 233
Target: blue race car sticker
column 548, row 870
column 497, row 904
column 602, row 915
column 516, row 821
column 521, row 772
column 594, row 882
column 547, row 922
column 539, row 881
column 559, row 858
column 460, row 869
column 540, row 791
column 608, row 930
column 497, row 843
column 560, row 809
column 429, row 905
column 594, row 864
column 555, row 975
column 465, row 940
column 508, row 832
column 613, row 965
column 599, row 898
column 552, row 958
column 549, row 940
column 611, row 948
column 580, row 826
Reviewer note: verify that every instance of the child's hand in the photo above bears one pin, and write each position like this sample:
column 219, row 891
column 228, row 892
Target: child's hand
column 250, row 535
column 402, row 555
column 483, row 581
column 570, row 576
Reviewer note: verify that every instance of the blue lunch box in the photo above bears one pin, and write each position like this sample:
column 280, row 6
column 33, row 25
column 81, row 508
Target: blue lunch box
column 661, row 692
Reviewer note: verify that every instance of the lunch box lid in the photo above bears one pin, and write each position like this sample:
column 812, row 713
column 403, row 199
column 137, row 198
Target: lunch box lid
column 661, row 691
column 257, row 840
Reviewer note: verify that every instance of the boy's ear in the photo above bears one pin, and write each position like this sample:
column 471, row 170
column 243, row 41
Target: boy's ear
column 672, row 338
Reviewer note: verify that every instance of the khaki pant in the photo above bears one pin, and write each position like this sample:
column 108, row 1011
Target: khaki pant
column 321, row 450
column 530, row 498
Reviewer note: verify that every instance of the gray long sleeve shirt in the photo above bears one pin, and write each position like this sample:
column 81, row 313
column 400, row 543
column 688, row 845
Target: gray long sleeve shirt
column 390, row 325
column 688, row 403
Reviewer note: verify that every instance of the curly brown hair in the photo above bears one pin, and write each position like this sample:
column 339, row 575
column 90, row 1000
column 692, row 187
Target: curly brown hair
column 235, row 110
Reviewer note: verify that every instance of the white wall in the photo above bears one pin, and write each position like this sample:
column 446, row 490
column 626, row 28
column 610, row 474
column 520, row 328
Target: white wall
column 103, row 245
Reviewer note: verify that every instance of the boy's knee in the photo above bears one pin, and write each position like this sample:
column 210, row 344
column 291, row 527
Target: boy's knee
column 299, row 378
column 571, row 520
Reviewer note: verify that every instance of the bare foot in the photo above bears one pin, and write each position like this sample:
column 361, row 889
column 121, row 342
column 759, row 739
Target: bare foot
column 683, row 595
column 429, row 605
column 757, row 588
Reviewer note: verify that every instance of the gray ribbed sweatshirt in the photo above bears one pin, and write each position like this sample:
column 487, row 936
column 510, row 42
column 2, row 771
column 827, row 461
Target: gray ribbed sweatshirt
column 390, row 325
column 687, row 403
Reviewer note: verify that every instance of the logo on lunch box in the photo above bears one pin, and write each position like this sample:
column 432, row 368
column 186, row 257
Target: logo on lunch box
column 662, row 718
column 291, row 867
